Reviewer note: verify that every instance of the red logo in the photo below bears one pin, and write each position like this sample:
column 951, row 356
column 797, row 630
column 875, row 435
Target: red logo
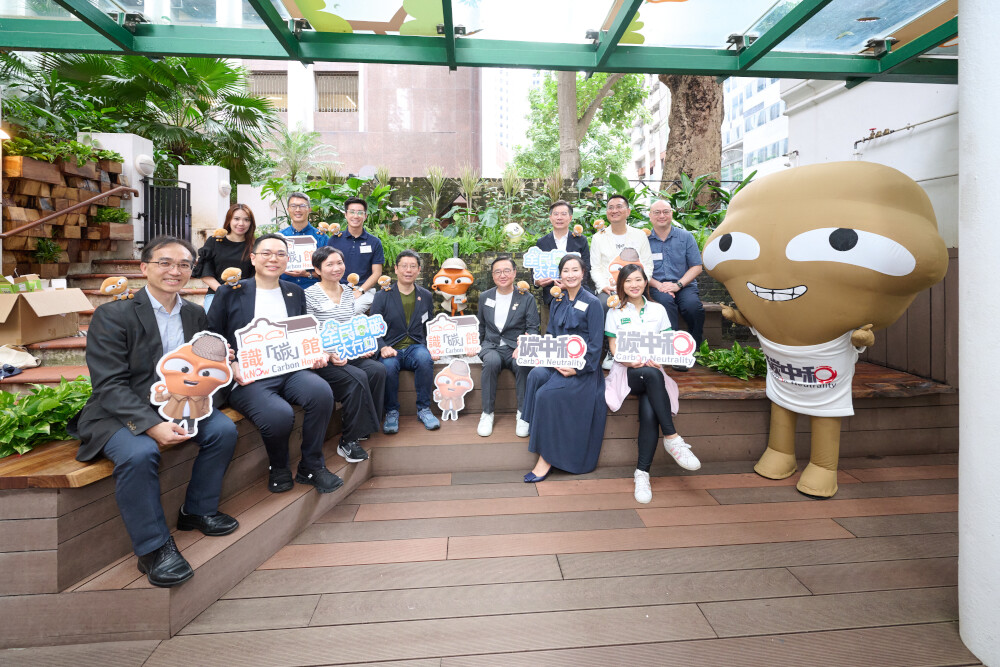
column 825, row 374
column 575, row 347
column 683, row 343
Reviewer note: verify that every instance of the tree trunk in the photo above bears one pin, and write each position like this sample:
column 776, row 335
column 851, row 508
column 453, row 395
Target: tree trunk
column 694, row 146
column 569, row 146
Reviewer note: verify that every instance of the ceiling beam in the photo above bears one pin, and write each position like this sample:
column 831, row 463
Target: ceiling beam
column 788, row 24
column 278, row 27
column 892, row 60
column 99, row 21
column 449, row 34
column 609, row 39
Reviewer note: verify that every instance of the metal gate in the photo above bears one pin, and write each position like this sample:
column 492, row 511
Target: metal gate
column 167, row 209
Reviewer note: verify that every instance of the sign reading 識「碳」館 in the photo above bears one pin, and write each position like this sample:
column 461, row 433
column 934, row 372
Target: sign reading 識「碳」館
column 269, row 348
column 300, row 252
column 457, row 336
column 554, row 351
column 544, row 263
column 671, row 348
column 354, row 338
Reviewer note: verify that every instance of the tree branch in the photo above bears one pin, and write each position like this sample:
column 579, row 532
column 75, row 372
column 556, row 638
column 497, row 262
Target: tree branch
column 583, row 123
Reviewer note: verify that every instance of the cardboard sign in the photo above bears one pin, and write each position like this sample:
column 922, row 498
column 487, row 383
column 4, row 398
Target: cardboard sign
column 354, row 338
column 189, row 377
column 449, row 336
column 545, row 263
column 300, row 252
column 561, row 351
column 672, row 348
column 450, row 387
column 271, row 348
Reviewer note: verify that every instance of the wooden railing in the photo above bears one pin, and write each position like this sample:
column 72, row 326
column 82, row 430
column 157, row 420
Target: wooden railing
column 52, row 216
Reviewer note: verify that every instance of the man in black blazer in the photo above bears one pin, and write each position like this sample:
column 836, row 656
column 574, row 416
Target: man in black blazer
column 406, row 309
column 266, row 402
column 125, row 342
column 504, row 314
column 560, row 215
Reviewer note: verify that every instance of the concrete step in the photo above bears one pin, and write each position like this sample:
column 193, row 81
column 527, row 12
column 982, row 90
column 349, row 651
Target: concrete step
column 71, row 351
column 115, row 266
column 135, row 280
column 194, row 295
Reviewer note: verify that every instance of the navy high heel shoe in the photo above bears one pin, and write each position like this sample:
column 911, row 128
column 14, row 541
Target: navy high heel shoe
column 531, row 477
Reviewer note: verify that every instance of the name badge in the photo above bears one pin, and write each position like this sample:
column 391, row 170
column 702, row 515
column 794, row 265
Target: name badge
column 366, row 248
column 490, row 303
column 657, row 256
column 581, row 306
column 423, row 319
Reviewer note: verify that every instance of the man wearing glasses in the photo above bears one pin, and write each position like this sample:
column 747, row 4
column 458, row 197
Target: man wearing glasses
column 299, row 208
column 362, row 251
column 560, row 215
column 504, row 314
column 676, row 264
column 125, row 341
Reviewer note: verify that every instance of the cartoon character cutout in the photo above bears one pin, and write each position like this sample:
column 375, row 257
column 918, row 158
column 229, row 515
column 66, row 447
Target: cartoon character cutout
column 385, row 282
column 627, row 256
column 220, row 234
column 816, row 257
column 450, row 387
column 189, row 376
column 453, row 281
column 232, row 276
column 117, row 288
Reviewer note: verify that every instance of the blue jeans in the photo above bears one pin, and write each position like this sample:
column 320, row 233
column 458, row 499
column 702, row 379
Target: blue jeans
column 137, row 478
column 687, row 304
column 414, row 358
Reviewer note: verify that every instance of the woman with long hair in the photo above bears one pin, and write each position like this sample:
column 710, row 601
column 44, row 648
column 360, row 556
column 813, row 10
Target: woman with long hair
column 231, row 251
column 644, row 379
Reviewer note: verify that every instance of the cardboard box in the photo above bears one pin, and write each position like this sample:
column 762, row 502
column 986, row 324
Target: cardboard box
column 32, row 317
column 28, row 283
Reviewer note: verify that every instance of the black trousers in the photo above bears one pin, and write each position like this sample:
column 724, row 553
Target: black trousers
column 654, row 411
column 351, row 387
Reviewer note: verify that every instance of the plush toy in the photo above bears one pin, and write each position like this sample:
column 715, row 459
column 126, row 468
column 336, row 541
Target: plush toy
column 451, row 386
column 815, row 258
column 385, row 282
column 577, row 230
column 334, row 229
column 323, row 228
column 188, row 377
column 219, row 234
column 352, row 280
column 117, row 288
column 231, row 277
column 522, row 287
column 647, row 231
column 599, row 226
column 514, row 232
column 556, row 293
column 454, row 281
column 613, row 301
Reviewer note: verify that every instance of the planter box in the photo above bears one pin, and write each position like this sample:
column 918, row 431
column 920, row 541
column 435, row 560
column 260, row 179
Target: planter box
column 25, row 167
column 86, row 170
column 49, row 270
column 121, row 232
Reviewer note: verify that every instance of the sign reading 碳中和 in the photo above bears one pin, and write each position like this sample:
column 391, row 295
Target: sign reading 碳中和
column 556, row 351
column 274, row 348
column 673, row 348
column 354, row 338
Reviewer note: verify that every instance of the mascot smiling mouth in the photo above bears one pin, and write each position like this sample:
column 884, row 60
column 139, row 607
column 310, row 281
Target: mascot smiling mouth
column 783, row 294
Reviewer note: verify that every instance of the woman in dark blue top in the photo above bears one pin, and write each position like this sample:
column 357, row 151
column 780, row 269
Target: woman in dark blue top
column 565, row 406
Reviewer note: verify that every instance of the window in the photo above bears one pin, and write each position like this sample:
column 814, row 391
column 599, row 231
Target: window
column 336, row 91
column 272, row 86
column 761, row 84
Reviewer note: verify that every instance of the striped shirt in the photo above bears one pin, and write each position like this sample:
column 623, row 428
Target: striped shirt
column 321, row 306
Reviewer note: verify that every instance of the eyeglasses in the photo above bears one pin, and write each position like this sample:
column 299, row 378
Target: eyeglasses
column 664, row 211
column 267, row 254
column 356, row 214
column 298, row 206
column 169, row 265
column 618, row 208
column 503, row 272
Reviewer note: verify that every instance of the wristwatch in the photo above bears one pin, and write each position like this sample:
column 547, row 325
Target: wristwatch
column 679, row 284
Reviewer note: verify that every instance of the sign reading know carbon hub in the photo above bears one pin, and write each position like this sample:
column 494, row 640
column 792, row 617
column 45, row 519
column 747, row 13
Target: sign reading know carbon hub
column 554, row 351
column 274, row 348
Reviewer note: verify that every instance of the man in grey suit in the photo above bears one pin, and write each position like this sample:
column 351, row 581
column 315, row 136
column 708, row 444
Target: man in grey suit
column 504, row 314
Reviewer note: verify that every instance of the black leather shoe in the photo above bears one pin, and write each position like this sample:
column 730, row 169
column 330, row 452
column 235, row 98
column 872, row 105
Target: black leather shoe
column 212, row 525
column 165, row 567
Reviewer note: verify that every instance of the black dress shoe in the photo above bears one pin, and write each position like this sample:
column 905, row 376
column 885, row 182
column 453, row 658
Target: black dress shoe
column 212, row 525
column 165, row 567
column 279, row 480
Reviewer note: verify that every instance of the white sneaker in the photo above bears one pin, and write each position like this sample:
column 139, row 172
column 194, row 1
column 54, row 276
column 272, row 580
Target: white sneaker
column 523, row 428
column 608, row 361
column 643, row 494
column 681, row 451
column 485, row 424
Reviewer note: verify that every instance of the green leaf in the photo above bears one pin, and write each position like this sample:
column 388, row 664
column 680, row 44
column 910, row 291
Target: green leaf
column 618, row 182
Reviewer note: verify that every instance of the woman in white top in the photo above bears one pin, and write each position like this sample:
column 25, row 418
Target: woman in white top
column 329, row 299
column 646, row 379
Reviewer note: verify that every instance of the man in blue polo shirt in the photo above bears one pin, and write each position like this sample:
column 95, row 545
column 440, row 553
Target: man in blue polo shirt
column 362, row 251
column 676, row 264
column 299, row 209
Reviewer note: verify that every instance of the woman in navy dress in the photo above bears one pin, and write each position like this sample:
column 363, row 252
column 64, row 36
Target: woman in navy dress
column 565, row 406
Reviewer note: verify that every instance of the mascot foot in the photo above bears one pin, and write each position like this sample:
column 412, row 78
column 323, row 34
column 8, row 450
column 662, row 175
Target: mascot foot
column 817, row 482
column 775, row 465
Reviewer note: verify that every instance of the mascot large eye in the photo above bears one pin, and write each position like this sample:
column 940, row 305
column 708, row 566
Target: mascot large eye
column 442, row 280
column 851, row 246
column 463, row 280
column 216, row 373
column 735, row 245
column 177, row 365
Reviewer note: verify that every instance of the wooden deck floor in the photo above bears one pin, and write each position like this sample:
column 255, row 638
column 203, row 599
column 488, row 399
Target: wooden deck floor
column 722, row 568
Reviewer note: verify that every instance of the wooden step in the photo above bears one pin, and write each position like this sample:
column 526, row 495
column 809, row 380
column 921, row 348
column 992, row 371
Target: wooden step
column 69, row 351
column 92, row 281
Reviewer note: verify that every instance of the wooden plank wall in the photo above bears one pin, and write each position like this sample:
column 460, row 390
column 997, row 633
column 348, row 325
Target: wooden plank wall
column 924, row 341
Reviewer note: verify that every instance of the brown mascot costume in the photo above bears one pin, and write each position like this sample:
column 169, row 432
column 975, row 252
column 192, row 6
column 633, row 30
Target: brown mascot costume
column 816, row 258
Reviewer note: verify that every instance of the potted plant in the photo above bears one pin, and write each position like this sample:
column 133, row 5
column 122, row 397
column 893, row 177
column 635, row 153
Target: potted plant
column 46, row 256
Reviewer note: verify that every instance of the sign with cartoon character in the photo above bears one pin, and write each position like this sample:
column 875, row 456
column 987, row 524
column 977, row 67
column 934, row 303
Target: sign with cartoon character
column 816, row 258
column 300, row 252
column 670, row 348
column 354, row 338
column 453, row 336
column 189, row 377
column 626, row 256
column 544, row 263
column 555, row 351
column 453, row 281
column 274, row 348
column 450, row 387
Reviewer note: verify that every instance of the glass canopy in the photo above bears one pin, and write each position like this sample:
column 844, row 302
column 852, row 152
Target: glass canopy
column 854, row 40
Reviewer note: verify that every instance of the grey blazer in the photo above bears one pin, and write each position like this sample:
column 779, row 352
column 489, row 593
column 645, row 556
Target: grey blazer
column 521, row 319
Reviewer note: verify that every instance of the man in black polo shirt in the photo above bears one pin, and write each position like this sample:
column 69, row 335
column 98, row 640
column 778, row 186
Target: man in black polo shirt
column 362, row 251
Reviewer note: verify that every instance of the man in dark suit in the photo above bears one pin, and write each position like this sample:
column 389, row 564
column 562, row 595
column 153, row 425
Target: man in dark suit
column 406, row 309
column 504, row 314
column 560, row 238
column 266, row 402
column 125, row 341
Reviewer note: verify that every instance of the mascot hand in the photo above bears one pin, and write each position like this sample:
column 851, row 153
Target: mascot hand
column 863, row 337
column 734, row 316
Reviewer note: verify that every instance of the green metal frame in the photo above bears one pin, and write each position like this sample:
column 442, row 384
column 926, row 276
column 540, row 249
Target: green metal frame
column 99, row 21
column 278, row 27
column 449, row 35
column 609, row 40
column 788, row 24
column 891, row 61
